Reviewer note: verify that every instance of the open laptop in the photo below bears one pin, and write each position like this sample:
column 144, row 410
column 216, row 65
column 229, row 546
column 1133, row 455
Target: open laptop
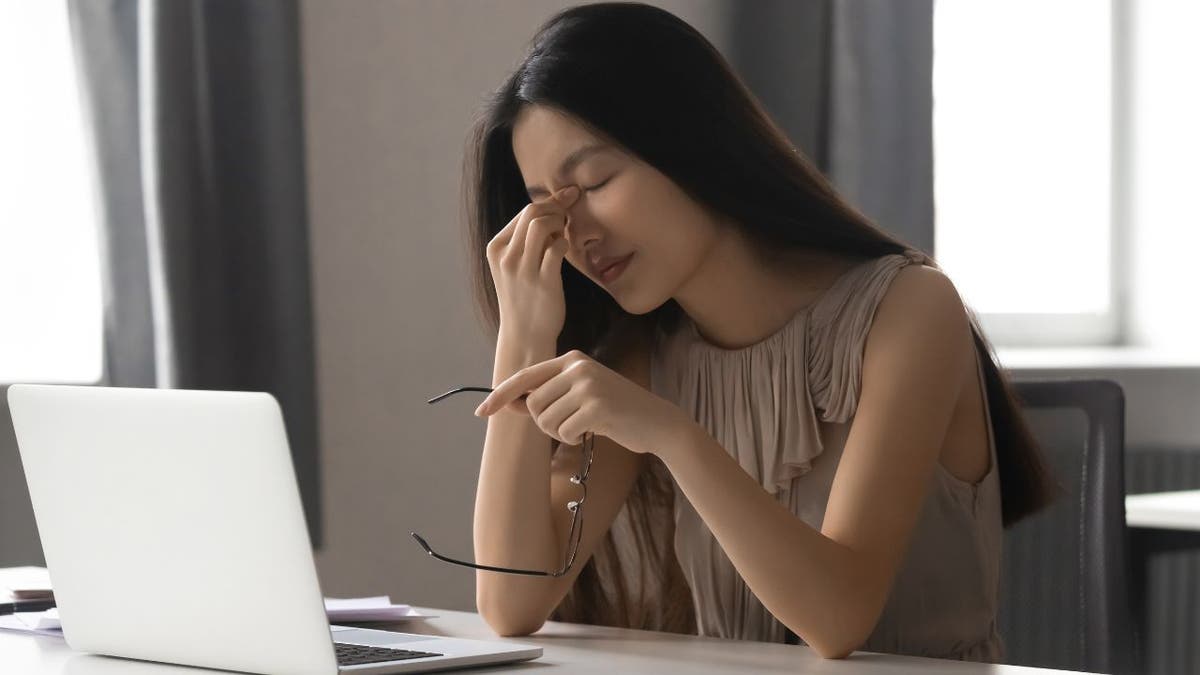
column 173, row 532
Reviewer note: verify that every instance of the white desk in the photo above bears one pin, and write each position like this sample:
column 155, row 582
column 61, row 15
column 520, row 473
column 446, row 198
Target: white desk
column 1159, row 522
column 1164, row 510
column 568, row 648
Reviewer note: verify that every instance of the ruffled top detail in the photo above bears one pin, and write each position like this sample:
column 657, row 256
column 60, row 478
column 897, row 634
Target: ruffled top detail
column 762, row 401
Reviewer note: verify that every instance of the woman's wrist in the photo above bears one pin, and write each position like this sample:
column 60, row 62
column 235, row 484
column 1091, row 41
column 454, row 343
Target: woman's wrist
column 668, row 435
column 514, row 352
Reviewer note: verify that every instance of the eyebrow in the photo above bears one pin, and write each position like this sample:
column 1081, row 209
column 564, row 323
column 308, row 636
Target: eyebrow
column 573, row 160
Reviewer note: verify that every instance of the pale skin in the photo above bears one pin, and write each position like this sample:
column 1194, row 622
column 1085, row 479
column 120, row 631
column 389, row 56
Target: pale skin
column 919, row 400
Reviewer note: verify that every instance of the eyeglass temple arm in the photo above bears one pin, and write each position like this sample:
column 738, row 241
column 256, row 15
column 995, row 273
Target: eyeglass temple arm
column 506, row 570
column 452, row 392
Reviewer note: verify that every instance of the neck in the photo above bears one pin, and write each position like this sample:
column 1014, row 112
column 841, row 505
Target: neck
column 736, row 298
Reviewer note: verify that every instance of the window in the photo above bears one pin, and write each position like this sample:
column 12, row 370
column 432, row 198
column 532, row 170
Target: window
column 50, row 300
column 1164, row 238
column 1023, row 120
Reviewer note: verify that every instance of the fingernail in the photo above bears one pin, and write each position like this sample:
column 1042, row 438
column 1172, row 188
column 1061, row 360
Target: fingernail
column 479, row 410
column 569, row 193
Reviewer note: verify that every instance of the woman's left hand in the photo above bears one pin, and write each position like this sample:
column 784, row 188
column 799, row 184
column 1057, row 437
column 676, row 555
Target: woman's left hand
column 574, row 394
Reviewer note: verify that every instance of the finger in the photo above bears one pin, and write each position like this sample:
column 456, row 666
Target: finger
column 517, row 405
column 520, row 382
column 554, row 208
column 541, row 231
column 566, row 196
column 572, row 429
column 505, row 234
column 516, row 243
column 555, row 252
column 551, row 390
column 556, row 413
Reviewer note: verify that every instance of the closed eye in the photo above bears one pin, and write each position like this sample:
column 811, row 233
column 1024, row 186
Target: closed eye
column 597, row 187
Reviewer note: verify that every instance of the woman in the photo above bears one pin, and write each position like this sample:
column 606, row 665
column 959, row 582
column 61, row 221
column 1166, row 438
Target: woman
column 799, row 429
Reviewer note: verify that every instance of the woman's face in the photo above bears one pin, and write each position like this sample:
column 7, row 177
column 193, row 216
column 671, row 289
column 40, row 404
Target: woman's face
column 625, row 207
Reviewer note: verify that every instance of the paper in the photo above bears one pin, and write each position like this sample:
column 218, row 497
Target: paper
column 40, row 623
column 35, row 581
column 47, row 619
column 21, row 583
column 360, row 603
column 376, row 608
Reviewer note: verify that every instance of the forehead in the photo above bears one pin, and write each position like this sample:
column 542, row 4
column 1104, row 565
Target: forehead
column 542, row 136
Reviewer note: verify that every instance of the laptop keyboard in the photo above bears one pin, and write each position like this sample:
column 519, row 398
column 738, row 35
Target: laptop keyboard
column 351, row 655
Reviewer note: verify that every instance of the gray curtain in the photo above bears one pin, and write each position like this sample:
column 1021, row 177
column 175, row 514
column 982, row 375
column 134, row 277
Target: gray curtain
column 195, row 114
column 851, row 82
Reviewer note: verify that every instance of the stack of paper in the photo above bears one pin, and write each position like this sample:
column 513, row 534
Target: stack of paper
column 28, row 583
column 34, row 582
column 25, row 583
column 378, row 608
column 41, row 623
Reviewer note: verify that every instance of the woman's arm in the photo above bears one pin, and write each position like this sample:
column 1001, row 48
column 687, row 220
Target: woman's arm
column 521, row 519
column 830, row 586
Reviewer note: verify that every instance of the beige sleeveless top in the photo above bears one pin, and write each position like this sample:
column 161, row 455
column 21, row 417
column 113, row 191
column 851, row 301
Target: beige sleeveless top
column 782, row 408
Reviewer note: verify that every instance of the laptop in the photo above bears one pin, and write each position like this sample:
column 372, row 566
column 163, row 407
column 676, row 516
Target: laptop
column 173, row 531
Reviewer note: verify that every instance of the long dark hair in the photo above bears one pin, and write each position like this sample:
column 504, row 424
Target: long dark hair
column 641, row 78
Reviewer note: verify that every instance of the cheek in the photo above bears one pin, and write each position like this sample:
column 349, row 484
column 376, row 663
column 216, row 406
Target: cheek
column 577, row 263
column 674, row 245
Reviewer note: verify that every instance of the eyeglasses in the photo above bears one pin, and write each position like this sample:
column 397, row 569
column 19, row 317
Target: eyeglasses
column 575, row 507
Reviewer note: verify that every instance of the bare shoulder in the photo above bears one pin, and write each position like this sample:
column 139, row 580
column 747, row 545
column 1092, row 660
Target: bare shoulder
column 922, row 280
column 920, row 292
column 922, row 309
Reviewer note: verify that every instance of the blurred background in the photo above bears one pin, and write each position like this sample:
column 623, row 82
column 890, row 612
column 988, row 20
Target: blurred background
column 267, row 196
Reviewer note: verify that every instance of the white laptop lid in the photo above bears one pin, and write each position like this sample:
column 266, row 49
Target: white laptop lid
column 172, row 526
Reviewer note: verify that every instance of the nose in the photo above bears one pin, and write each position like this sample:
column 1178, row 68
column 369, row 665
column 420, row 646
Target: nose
column 578, row 234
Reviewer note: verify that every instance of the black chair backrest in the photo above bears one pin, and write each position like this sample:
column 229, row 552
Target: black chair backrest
column 1064, row 586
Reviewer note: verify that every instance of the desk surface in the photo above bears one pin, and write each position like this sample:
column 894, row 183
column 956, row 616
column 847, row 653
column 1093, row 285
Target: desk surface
column 1164, row 510
column 570, row 647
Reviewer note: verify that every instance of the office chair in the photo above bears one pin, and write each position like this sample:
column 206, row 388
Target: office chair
column 1064, row 584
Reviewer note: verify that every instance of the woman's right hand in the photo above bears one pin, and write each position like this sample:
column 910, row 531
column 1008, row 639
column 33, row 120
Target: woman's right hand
column 526, row 263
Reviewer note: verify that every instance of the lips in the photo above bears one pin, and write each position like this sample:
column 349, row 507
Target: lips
column 601, row 265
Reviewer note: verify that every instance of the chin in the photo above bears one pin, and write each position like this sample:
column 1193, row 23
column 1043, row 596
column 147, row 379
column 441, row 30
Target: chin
column 638, row 306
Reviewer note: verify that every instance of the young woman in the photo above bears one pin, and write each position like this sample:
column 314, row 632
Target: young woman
column 799, row 429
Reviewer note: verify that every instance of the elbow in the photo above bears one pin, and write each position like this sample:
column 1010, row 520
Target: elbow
column 830, row 651
column 836, row 646
column 517, row 630
column 848, row 629
column 841, row 639
column 511, row 627
column 507, row 624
